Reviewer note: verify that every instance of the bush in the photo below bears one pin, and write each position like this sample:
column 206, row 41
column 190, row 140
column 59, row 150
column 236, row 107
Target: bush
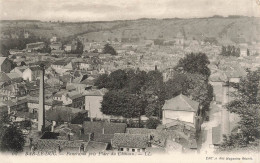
column 152, row 123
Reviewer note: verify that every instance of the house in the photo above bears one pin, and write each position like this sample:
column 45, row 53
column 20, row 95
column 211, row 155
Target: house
column 243, row 52
column 70, row 47
column 93, row 101
column 58, row 52
column 19, row 70
column 84, row 66
column 5, row 65
column 76, row 87
column 31, row 73
column 65, row 146
column 16, row 105
column 136, row 143
column 53, row 39
column 33, row 103
column 103, row 131
column 56, row 46
column 14, row 77
column 14, row 90
column 61, row 66
column 73, row 99
column 180, row 108
column 35, row 46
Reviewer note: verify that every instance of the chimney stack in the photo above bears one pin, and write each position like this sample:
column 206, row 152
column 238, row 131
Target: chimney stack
column 41, row 112
column 225, row 126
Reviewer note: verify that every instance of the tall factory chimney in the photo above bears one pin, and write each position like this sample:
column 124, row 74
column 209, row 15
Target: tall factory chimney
column 41, row 112
column 225, row 124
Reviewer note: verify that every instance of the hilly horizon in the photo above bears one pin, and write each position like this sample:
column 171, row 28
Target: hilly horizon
column 226, row 30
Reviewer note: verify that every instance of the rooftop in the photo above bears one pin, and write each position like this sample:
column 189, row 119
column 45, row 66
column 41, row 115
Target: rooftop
column 181, row 103
column 130, row 140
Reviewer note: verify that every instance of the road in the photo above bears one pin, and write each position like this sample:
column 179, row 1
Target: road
column 205, row 136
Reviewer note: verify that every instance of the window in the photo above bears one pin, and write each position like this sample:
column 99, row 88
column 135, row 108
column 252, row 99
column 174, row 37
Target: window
column 121, row 149
column 127, row 149
column 133, row 150
column 143, row 150
column 138, row 150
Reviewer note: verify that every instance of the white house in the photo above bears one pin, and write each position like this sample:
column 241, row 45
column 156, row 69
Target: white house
column 93, row 101
column 31, row 73
column 180, row 108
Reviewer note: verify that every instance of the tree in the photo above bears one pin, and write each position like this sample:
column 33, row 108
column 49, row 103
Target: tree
column 12, row 139
column 102, row 81
column 117, row 79
column 4, row 51
column 194, row 63
column 152, row 123
column 136, row 81
column 108, row 49
column 80, row 118
column 79, row 48
column 153, row 90
column 247, row 105
column 122, row 103
column 4, row 118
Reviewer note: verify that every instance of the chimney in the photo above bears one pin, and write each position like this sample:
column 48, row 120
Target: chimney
column 41, row 112
column 103, row 130
column 225, row 128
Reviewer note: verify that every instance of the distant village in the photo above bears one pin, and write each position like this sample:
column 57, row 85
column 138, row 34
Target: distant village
column 53, row 98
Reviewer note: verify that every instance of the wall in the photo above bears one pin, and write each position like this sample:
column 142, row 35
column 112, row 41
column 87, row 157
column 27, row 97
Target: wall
column 93, row 105
column 126, row 149
column 185, row 116
column 27, row 75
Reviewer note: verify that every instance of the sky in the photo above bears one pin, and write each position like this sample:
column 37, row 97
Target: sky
column 106, row 10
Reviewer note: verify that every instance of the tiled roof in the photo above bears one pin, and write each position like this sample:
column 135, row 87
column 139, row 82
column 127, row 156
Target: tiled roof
column 218, row 77
column 2, row 59
column 130, row 140
column 140, row 130
column 181, row 103
column 74, row 95
column 100, row 92
column 53, row 144
column 4, row 77
column 13, row 75
column 105, row 138
column 109, row 128
column 96, row 146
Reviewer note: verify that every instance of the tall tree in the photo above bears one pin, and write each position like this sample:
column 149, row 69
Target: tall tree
column 102, row 81
column 122, row 103
column 108, row 49
column 12, row 139
column 194, row 63
column 247, row 105
column 117, row 79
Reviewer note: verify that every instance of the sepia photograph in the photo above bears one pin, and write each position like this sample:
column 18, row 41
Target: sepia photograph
column 130, row 81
